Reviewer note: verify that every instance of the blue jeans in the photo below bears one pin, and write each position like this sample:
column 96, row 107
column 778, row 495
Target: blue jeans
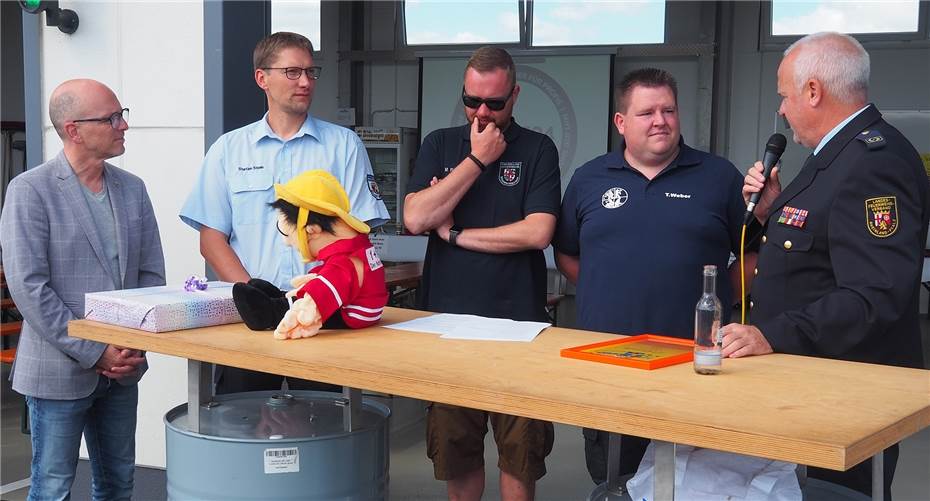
column 107, row 419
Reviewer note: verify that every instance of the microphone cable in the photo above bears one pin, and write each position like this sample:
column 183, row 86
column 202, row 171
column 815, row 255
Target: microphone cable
column 742, row 275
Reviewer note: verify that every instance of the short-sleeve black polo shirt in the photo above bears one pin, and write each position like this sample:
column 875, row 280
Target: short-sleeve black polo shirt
column 524, row 180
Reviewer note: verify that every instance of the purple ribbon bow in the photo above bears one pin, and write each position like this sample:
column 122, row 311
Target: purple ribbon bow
column 195, row 283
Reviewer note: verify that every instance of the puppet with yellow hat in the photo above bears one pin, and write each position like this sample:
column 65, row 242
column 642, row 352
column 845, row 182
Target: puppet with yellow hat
column 346, row 291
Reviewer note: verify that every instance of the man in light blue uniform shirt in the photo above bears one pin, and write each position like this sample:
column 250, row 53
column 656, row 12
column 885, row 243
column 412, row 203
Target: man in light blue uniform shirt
column 229, row 203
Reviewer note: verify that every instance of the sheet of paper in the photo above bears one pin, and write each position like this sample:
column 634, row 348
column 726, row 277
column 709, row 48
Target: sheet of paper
column 516, row 331
column 434, row 324
column 452, row 326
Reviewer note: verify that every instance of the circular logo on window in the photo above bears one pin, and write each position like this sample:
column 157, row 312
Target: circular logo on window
column 614, row 197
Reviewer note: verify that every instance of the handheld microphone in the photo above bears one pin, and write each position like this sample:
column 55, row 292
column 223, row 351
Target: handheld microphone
column 773, row 150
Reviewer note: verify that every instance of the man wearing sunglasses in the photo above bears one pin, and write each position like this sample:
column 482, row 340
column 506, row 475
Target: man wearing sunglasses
column 229, row 205
column 488, row 193
column 73, row 225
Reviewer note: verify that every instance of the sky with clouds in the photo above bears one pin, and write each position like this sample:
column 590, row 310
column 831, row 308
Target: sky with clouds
column 298, row 16
column 597, row 22
column 555, row 22
column 876, row 16
column 435, row 22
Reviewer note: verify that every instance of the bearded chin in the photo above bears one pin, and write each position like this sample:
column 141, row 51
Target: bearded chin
column 298, row 108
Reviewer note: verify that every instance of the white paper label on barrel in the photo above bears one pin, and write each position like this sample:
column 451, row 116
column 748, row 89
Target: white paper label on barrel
column 284, row 460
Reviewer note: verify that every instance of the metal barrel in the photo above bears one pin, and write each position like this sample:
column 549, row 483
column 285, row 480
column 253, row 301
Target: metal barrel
column 269, row 445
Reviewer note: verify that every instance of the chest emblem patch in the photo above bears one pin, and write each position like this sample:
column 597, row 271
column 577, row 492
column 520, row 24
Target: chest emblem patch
column 614, row 197
column 793, row 217
column 881, row 216
column 374, row 261
column 509, row 173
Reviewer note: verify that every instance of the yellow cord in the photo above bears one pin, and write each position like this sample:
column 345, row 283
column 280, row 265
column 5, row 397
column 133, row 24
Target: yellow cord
column 742, row 275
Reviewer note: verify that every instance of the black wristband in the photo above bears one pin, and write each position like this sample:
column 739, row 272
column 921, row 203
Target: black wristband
column 478, row 162
column 454, row 235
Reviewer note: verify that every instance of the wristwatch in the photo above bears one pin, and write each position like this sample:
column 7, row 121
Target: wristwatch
column 454, row 235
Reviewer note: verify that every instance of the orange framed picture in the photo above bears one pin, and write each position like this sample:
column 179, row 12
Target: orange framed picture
column 645, row 351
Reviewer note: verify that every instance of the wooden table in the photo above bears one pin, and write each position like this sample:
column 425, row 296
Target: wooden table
column 817, row 412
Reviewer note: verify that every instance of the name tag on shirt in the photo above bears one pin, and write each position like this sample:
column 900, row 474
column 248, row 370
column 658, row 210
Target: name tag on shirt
column 374, row 262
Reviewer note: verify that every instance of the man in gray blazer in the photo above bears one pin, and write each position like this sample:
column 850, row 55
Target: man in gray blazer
column 77, row 224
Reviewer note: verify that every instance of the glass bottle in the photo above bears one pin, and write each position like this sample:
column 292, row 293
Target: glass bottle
column 707, row 341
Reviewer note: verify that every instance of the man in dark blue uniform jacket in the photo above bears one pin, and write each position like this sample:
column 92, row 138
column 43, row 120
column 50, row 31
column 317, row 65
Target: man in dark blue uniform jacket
column 840, row 259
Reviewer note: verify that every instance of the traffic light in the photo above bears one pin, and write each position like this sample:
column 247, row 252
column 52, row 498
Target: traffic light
column 65, row 19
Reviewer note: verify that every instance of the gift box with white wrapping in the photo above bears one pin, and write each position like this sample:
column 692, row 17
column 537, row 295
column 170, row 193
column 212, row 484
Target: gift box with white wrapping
column 163, row 308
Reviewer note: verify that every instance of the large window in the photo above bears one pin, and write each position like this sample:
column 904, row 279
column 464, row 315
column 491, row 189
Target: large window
column 441, row 22
column 598, row 23
column 793, row 17
column 298, row 16
column 552, row 23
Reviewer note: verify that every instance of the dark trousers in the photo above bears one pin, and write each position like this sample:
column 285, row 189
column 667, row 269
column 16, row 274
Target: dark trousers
column 859, row 477
column 595, row 453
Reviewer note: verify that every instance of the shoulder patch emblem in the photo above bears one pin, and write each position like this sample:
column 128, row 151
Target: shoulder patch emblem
column 614, row 197
column 509, row 173
column 881, row 216
column 373, row 187
column 873, row 139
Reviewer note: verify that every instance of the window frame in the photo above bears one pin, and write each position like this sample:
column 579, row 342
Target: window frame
column 770, row 42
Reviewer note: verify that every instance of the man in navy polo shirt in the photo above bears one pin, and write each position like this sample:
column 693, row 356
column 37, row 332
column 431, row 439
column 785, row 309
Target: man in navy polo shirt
column 646, row 219
column 488, row 192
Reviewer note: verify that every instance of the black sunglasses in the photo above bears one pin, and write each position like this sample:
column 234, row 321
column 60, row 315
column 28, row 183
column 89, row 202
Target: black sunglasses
column 493, row 104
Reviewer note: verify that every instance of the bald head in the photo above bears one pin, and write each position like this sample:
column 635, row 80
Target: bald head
column 837, row 60
column 76, row 99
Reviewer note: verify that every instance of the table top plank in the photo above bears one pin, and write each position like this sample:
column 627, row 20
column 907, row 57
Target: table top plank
column 819, row 412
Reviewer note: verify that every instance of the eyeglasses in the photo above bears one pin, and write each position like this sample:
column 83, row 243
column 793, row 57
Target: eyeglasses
column 116, row 119
column 277, row 224
column 493, row 104
column 293, row 72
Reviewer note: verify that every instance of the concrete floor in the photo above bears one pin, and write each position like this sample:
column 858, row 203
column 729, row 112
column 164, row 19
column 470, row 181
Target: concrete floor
column 411, row 471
